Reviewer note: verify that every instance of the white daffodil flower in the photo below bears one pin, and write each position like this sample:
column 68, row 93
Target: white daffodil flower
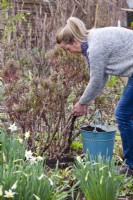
column 1, row 193
column 12, row 127
column 79, row 159
column 9, row 194
column 27, row 135
column 28, row 154
column 33, row 160
column 39, row 158
column 20, row 140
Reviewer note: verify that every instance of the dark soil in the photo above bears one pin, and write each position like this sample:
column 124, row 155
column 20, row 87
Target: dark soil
column 91, row 128
column 130, row 197
column 62, row 162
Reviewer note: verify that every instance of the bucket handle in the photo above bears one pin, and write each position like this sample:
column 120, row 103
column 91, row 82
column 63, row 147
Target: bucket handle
column 98, row 114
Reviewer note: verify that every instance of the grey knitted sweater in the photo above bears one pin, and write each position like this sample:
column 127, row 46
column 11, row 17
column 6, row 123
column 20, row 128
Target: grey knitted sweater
column 110, row 52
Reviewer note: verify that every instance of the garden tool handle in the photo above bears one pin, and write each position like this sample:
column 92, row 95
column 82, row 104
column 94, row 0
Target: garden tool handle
column 71, row 118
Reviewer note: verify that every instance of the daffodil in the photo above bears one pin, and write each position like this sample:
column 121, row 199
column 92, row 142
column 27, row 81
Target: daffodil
column 28, row 154
column 27, row 135
column 79, row 159
column 39, row 158
column 12, row 127
column 9, row 194
column 33, row 160
column 20, row 140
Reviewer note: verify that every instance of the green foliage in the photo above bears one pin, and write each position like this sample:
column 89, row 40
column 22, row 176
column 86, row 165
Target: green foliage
column 4, row 4
column 127, row 188
column 112, row 81
column 76, row 145
column 40, row 90
column 28, row 180
column 98, row 180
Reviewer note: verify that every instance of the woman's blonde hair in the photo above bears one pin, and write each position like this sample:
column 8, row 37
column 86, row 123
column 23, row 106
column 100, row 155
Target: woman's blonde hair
column 74, row 29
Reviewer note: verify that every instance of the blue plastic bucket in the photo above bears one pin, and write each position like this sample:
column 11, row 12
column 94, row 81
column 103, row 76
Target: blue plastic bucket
column 98, row 143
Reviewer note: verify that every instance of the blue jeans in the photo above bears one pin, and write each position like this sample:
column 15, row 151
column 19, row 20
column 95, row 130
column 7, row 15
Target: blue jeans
column 124, row 119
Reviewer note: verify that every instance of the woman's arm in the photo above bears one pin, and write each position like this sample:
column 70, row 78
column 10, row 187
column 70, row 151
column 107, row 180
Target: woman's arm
column 98, row 56
column 93, row 89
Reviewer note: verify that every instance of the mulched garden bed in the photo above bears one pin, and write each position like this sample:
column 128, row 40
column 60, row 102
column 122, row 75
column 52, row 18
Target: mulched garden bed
column 63, row 162
column 130, row 197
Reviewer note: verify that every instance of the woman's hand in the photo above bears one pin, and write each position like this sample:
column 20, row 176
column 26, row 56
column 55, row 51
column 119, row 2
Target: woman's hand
column 79, row 109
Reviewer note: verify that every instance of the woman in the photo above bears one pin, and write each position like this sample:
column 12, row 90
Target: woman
column 109, row 51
